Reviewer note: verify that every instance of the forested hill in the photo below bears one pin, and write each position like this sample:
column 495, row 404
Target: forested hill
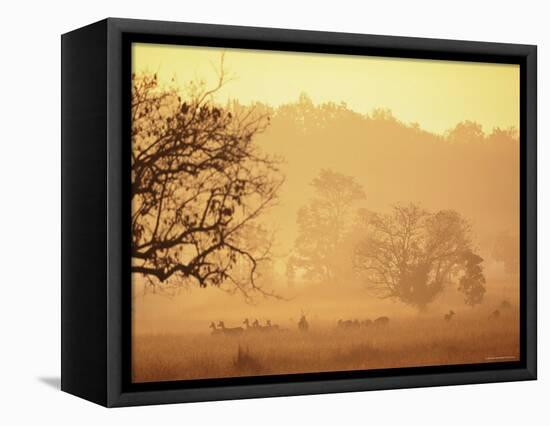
column 472, row 170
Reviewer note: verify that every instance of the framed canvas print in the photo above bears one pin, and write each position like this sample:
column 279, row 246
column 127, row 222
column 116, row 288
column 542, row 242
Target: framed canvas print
column 252, row 212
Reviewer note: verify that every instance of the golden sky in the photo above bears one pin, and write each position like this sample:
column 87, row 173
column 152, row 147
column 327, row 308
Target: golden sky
column 435, row 94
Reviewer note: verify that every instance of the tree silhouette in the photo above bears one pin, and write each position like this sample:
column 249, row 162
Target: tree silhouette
column 410, row 254
column 199, row 183
column 323, row 223
column 466, row 132
column 472, row 283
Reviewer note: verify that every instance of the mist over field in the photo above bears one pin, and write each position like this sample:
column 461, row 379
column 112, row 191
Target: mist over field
column 308, row 237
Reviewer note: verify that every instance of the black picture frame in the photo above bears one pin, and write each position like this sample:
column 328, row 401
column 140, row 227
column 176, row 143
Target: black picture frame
column 95, row 209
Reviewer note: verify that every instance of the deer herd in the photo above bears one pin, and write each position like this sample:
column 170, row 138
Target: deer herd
column 349, row 324
column 255, row 326
column 302, row 325
column 355, row 323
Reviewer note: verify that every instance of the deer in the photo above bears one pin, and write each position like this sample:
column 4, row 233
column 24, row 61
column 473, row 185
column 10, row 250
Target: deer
column 232, row 331
column 449, row 316
column 303, row 325
column 495, row 314
column 348, row 324
column 247, row 325
column 366, row 323
column 381, row 321
column 271, row 326
column 256, row 325
column 505, row 305
column 215, row 331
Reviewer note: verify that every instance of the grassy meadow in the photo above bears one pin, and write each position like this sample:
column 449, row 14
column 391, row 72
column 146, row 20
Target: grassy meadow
column 422, row 340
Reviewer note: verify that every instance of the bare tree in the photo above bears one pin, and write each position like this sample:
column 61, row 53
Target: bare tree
column 410, row 254
column 199, row 184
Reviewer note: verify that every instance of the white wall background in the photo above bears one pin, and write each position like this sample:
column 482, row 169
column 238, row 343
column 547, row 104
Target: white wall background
column 30, row 211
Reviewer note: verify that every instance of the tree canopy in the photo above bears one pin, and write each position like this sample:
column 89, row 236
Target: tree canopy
column 323, row 223
column 410, row 254
column 199, row 183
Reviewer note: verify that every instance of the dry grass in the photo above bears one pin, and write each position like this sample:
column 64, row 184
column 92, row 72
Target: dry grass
column 415, row 342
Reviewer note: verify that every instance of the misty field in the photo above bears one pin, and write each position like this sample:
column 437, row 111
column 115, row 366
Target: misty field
column 420, row 341
column 334, row 198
